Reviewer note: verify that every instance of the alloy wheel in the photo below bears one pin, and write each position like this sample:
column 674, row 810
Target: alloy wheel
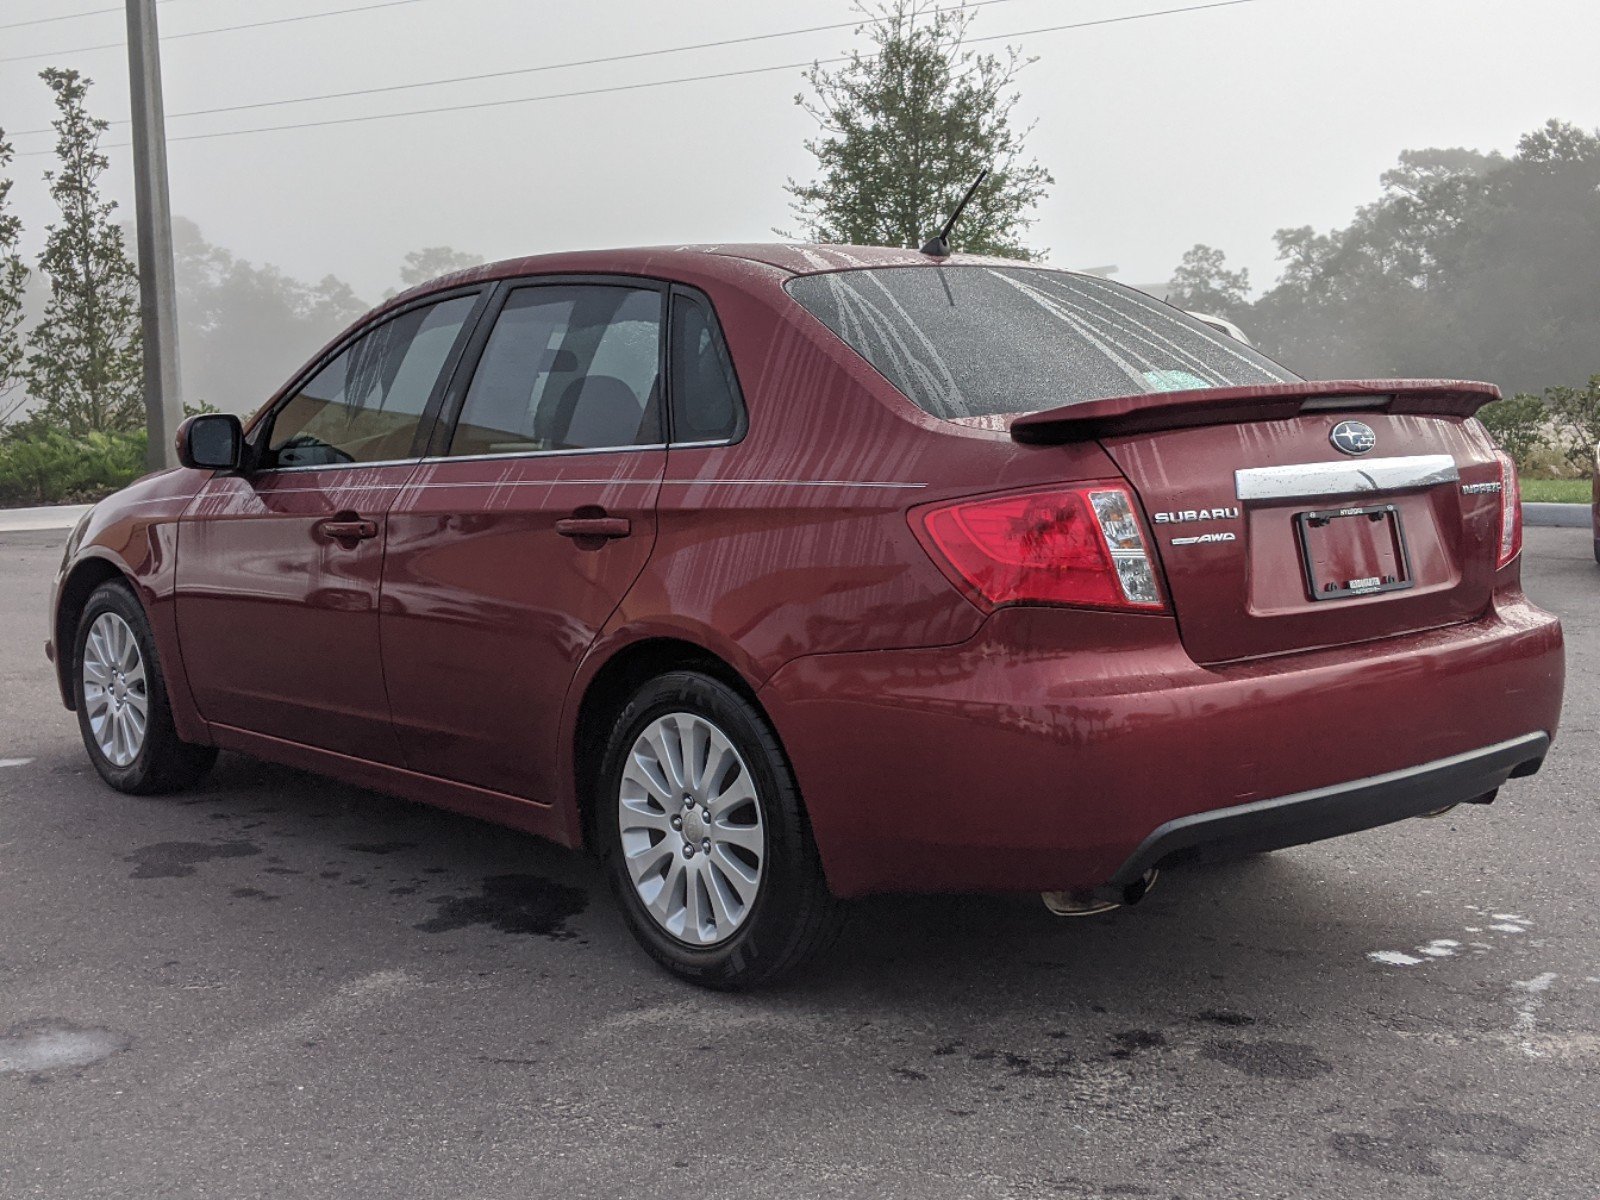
column 116, row 692
column 691, row 829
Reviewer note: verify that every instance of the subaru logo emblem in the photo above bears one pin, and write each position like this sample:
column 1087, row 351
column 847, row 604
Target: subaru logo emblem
column 1353, row 437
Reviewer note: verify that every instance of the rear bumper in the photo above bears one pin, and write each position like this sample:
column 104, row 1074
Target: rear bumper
column 1333, row 811
column 1061, row 750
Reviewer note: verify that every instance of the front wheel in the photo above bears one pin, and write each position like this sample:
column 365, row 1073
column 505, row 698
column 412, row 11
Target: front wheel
column 123, row 712
column 706, row 842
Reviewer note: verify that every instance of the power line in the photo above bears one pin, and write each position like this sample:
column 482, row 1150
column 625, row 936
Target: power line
column 631, row 87
column 61, row 17
column 95, row 12
column 98, row 12
column 194, row 33
column 579, row 62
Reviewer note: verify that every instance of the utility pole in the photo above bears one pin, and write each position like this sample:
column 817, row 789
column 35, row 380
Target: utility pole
column 158, row 291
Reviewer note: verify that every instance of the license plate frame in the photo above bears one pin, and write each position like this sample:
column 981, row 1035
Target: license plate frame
column 1308, row 523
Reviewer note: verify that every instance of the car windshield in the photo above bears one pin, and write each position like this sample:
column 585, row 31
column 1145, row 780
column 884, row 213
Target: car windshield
column 975, row 341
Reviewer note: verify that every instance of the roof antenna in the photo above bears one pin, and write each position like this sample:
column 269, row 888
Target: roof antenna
column 938, row 246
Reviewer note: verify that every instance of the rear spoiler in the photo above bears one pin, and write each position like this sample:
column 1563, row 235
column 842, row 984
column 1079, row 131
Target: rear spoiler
column 1230, row 406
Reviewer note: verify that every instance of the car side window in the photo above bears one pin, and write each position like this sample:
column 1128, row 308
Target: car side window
column 706, row 404
column 365, row 405
column 566, row 367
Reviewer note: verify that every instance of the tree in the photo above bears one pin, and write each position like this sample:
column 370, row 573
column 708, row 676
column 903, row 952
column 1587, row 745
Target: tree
column 432, row 261
column 1468, row 264
column 85, row 369
column 246, row 327
column 13, row 283
column 906, row 128
column 1203, row 283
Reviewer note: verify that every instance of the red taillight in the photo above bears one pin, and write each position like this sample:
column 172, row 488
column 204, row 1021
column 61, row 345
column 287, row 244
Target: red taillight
column 1078, row 546
column 1510, row 510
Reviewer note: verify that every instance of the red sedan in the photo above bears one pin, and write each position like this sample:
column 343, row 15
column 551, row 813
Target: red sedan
column 783, row 574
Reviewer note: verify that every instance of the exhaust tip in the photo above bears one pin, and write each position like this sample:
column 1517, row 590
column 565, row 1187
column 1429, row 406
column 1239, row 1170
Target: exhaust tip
column 1097, row 903
column 1077, row 904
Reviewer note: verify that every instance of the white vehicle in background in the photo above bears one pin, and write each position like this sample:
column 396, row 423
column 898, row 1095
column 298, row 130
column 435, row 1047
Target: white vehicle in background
column 1162, row 291
column 1221, row 325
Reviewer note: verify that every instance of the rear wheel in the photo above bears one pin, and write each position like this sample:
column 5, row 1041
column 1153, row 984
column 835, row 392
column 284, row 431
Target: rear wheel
column 707, row 846
column 123, row 712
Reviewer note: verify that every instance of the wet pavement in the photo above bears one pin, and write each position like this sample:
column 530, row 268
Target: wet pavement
column 280, row 986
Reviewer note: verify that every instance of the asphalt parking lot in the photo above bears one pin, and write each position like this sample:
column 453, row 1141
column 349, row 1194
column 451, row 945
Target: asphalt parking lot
column 278, row 986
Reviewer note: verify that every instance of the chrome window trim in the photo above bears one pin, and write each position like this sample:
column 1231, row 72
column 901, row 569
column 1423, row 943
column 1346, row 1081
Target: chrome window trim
column 1305, row 481
column 349, row 466
column 444, row 458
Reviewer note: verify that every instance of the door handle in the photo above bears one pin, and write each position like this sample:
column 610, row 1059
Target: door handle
column 341, row 529
column 594, row 527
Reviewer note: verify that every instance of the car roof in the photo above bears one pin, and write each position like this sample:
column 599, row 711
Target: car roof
column 729, row 260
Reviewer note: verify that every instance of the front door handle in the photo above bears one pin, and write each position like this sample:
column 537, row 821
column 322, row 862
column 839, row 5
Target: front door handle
column 594, row 527
column 342, row 529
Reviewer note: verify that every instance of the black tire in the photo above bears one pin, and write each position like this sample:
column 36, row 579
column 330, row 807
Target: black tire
column 793, row 916
column 164, row 762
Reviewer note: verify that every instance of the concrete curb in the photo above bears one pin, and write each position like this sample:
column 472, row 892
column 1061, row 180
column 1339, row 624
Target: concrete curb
column 1574, row 516
column 52, row 516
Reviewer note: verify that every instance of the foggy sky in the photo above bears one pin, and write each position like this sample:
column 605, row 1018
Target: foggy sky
column 1217, row 126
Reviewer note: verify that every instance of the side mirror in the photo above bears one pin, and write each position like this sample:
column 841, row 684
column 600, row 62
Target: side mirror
column 211, row 442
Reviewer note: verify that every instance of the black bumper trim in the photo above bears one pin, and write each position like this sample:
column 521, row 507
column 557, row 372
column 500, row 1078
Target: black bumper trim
column 1333, row 811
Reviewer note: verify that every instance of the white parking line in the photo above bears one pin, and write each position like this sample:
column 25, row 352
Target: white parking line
column 1528, row 1007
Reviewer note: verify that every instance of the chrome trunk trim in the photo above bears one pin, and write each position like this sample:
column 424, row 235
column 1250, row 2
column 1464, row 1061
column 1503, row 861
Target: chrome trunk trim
column 1305, row 481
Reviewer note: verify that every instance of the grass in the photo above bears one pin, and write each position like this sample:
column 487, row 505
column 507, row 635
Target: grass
column 1556, row 491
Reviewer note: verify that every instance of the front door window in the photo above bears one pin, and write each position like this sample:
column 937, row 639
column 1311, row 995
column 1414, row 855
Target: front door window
column 365, row 405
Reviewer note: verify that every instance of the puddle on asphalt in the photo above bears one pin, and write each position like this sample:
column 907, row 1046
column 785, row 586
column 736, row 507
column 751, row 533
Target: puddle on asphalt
column 174, row 860
column 1270, row 1059
column 380, row 847
column 512, row 904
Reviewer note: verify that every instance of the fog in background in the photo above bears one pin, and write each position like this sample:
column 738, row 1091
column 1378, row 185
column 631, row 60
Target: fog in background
column 1219, row 126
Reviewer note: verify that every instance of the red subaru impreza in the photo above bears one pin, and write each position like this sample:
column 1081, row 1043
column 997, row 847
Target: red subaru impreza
column 781, row 574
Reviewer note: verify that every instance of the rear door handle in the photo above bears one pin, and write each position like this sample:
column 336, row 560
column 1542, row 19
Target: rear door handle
column 594, row 527
column 347, row 530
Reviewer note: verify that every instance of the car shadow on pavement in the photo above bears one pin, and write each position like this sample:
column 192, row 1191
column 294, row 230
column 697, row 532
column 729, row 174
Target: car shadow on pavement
column 1206, row 936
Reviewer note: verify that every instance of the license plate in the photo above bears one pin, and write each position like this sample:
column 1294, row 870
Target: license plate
column 1353, row 551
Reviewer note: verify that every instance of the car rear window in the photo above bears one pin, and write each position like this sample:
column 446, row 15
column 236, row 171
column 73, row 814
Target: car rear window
column 974, row 341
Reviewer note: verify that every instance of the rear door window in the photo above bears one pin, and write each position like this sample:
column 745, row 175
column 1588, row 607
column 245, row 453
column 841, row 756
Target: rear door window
column 974, row 341
column 706, row 404
column 566, row 367
column 364, row 406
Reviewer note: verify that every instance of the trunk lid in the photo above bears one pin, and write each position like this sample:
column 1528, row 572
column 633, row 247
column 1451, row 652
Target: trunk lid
column 1272, row 540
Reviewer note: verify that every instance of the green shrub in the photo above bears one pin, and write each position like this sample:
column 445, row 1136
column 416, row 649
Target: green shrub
column 1554, row 435
column 1575, row 416
column 41, row 465
column 1520, row 427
